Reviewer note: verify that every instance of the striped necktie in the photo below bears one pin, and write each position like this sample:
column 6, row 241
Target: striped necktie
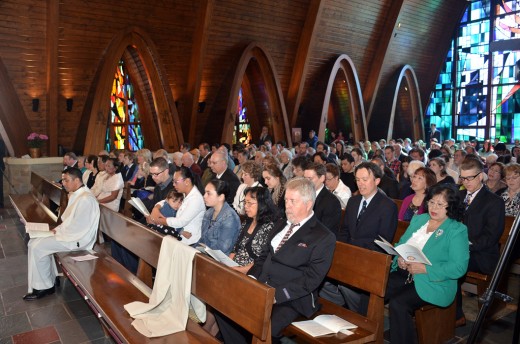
column 286, row 236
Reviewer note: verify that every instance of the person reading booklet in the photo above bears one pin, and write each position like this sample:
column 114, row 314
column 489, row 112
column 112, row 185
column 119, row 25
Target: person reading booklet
column 325, row 324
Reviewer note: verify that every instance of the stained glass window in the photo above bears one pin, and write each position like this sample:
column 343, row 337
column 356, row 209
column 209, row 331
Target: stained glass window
column 242, row 132
column 483, row 47
column 124, row 127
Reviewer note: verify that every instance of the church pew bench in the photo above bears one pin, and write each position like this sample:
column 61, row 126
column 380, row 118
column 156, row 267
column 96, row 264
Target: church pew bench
column 107, row 286
column 363, row 269
column 37, row 205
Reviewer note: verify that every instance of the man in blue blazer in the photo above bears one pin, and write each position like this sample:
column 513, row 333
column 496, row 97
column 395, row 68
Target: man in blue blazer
column 295, row 261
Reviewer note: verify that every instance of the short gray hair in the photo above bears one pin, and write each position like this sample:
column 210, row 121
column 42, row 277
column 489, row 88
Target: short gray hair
column 304, row 187
column 286, row 152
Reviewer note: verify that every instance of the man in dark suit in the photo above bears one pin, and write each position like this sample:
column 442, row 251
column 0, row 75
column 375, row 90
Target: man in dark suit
column 294, row 262
column 434, row 134
column 205, row 154
column 368, row 215
column 130, row 168
column 264, row 136
column 219, row 166
column 484, row 216
column 388, row 183
column 327, row 207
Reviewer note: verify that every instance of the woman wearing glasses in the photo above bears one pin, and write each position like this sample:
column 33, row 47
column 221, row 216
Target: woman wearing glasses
column 261, row 215
column 511, row 195
column 190, row 214
column 444, row 241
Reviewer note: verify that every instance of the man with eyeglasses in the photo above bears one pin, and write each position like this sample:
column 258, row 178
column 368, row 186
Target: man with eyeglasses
column 160, row 172
column 484, row 216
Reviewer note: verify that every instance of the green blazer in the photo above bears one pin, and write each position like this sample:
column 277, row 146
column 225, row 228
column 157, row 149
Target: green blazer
column 448, row 251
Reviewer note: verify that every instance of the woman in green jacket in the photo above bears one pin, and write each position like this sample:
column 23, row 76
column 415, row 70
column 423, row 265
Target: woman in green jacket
column 444, row 241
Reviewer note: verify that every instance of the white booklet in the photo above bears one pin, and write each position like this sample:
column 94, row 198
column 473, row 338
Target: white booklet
column 38, row 230
column 325, row 324
column 408, row 252
column 218, row 255
column 139, row 205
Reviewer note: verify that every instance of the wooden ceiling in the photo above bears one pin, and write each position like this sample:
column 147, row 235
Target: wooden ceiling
column 53, row 50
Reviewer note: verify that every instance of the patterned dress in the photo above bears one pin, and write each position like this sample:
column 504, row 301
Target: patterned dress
column 512, row 203
column 249, row 246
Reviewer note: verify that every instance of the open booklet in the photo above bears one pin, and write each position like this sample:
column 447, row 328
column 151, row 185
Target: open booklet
column 139, row 205
column 325, row 324
column 408, row 252
column 38, row 230
column 218, row 255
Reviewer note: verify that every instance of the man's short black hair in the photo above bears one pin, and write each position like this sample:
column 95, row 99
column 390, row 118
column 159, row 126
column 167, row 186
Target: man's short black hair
column 74, row 173
column 371, row 167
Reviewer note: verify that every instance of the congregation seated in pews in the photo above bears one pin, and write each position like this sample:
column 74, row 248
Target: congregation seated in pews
column 249, row 223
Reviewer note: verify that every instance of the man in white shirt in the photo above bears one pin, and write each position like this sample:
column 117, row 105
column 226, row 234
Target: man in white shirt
column 335, row 185
column 77, row 232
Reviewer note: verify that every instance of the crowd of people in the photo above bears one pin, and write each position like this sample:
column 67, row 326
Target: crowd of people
column 249, row 201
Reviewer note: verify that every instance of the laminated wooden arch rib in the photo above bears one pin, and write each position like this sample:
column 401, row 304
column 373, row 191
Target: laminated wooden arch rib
column 278, row 113
column 165, row 123
column 344, row 65
column 407, row 74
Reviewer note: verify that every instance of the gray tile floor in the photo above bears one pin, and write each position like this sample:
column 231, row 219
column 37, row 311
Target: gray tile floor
column 65, row 318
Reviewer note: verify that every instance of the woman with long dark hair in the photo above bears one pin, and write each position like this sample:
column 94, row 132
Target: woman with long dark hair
column 261, row 215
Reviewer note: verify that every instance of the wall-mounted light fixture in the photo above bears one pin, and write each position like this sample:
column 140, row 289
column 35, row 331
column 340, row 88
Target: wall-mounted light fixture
column 70, row 101
column 35, row 104
column 202, row 107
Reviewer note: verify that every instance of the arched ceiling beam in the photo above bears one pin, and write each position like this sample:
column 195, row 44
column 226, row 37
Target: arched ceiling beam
column 281, row 129
column 344, row 65
column 299, row 71
column 195, row 70
column 374, row 76
column 96, row 115
column 53, row 30
column 407, row 73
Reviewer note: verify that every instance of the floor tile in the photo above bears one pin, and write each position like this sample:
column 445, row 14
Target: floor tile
column 80, row 330
column 45, row 316
column 44, row 335
column 13, row 324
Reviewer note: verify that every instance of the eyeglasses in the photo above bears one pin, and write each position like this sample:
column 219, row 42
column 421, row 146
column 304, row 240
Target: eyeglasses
column 433, row 204
column 178, row 180
column 469, row 178
column 249, row 204
column 158, row 173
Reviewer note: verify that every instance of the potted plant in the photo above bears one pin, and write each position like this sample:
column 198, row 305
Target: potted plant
column 35, row 142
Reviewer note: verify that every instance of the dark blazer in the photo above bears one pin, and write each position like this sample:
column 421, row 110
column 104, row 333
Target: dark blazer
column 327, row 209
column 233, row 182
column 380, row 218
column 262, row 140
column 203, row 162
column 485, row 221
column 299, row 267
column 390, row 186
column 128, row 173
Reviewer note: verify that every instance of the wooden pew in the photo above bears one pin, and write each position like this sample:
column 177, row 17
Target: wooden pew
column 107, row 286
column 398, row 202
column 38, row 205
column 363, row 269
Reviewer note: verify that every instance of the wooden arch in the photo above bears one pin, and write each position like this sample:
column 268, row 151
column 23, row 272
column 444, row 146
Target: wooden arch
column 161, row 126
column 344, row 64
column 14, row 125
column 254, row 54
column 413, row 102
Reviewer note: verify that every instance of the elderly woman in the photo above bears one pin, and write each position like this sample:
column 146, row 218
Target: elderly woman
column 287, row 168
column 251, row 174
column 220, row 224
column 511, row 195
column 261, row 216
column 422, row 179
column 438, row 166
column 190, row 214
column 444, row 241
column 112, row 188
column 495, row 181
column 275, row 182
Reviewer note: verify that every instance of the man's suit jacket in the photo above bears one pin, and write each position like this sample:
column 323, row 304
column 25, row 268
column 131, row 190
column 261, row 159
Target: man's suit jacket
column 379, row 219
column 327, row 209
column 448, row 251
column 128, row 173
column 203, row 162
column 436, row 135
column 233, row 183
column 485, row 221
column 389, row 186
column 299, row 267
